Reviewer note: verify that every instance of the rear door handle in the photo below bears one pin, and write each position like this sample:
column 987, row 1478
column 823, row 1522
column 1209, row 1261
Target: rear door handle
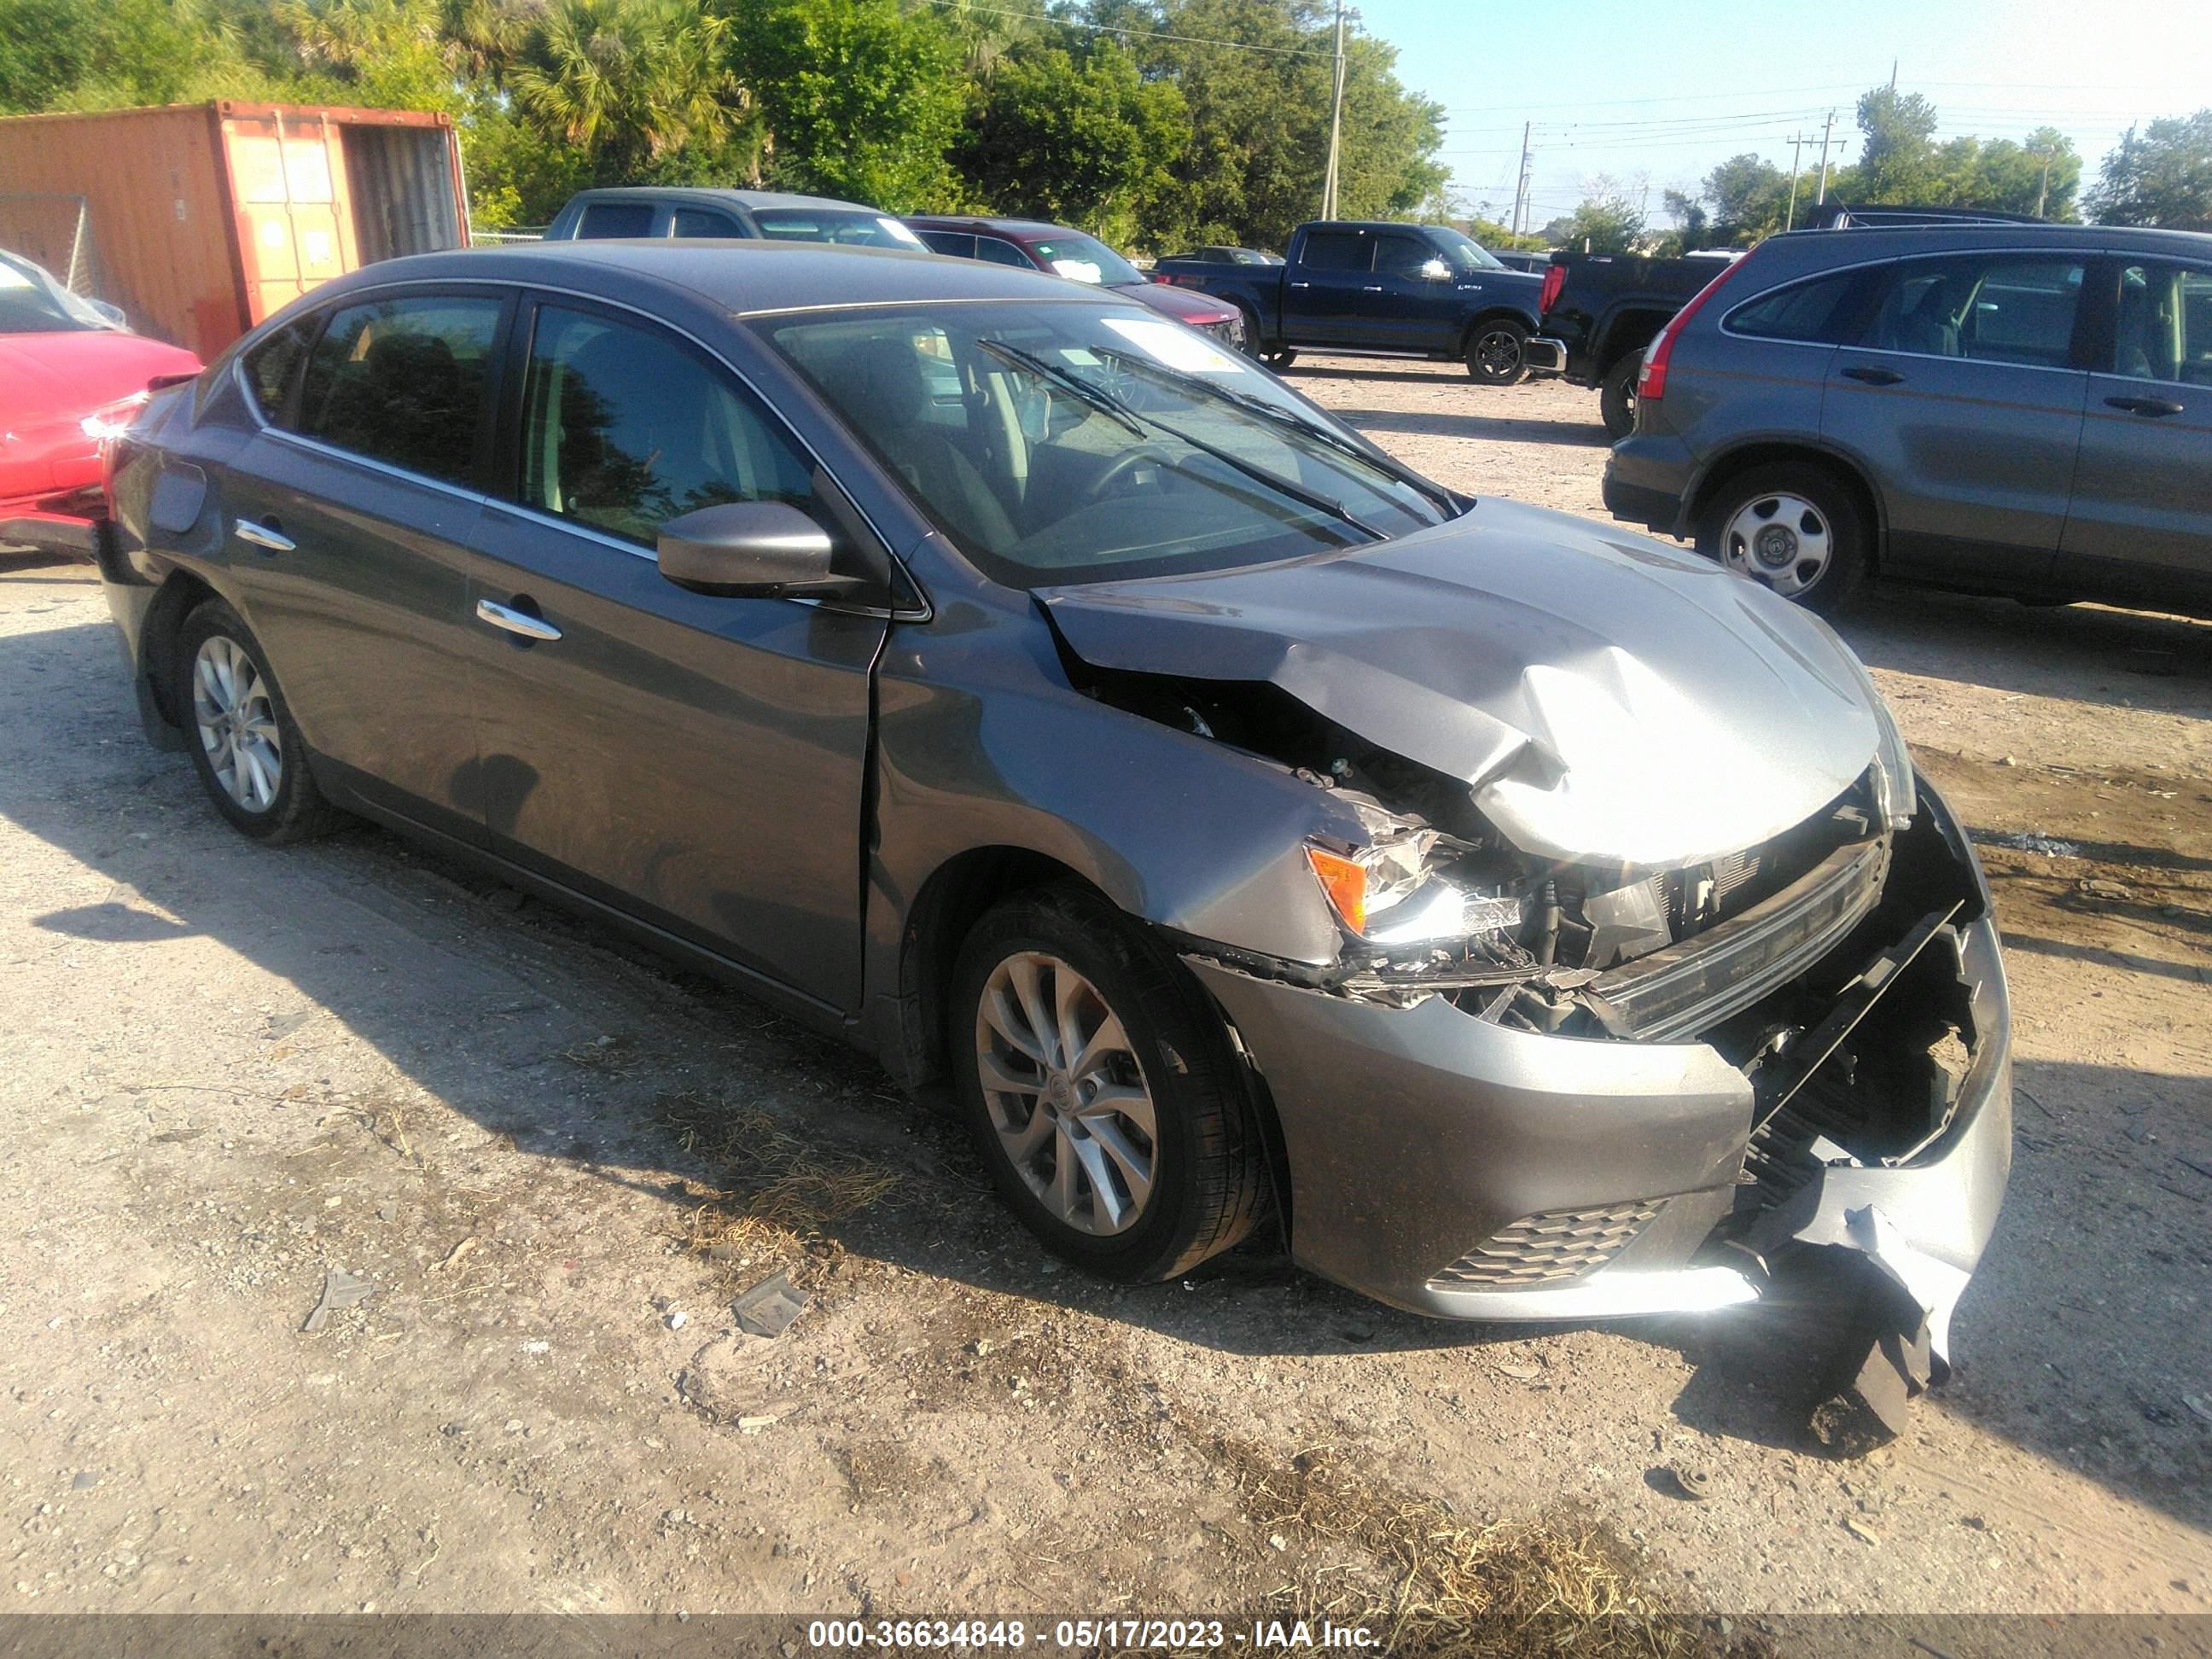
column 1873, row 375
column 521, row 623
column 267, row 537
column 2151, row 406
column 1300, row 284
column 1370, row 288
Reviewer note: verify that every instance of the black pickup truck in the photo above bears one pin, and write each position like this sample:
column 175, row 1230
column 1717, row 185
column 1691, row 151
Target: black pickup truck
column 1600, row 310
column 1398, row 290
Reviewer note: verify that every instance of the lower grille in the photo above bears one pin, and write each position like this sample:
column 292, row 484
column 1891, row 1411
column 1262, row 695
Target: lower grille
column 1543, row 1249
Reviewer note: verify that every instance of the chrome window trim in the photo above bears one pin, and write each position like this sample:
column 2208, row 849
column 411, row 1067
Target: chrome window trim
column 263, row 427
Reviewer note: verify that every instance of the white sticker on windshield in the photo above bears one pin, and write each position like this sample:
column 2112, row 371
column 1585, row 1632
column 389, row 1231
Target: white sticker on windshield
column 898, row 232
column 1178, row 348
column 1079, row 271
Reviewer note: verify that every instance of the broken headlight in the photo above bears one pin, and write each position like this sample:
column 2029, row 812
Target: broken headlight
column 1394, row 892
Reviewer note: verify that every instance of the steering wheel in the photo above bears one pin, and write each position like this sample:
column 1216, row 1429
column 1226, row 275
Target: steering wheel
column 1122, row 466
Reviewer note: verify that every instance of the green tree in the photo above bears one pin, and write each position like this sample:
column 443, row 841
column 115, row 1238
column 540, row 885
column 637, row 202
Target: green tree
column 1897, row 158
column 626, row 81
column 2161, row 176
column 857, row 99
column 1609, row 221
column 1086, row 140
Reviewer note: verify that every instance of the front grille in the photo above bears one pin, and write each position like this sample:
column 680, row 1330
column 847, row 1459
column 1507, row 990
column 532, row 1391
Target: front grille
column 1543, row 1250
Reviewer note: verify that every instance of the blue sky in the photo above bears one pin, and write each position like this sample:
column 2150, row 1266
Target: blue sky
column 1662, row 90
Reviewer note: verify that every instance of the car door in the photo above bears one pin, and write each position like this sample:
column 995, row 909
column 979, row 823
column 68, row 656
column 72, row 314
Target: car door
column 351, row 516
column 2140, row 527
column 1960, row 391
column 1404, row 307
column 1322, row 293
column 697, row 761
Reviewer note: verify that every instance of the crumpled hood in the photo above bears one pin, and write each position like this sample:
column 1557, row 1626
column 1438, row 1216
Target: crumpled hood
column 1606, row 697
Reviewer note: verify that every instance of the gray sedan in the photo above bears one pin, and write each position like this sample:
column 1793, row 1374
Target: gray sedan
column 1537, row 922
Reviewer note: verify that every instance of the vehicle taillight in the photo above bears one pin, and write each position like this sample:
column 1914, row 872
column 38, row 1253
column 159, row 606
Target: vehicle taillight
column 1651, row 384
column 1555, row 278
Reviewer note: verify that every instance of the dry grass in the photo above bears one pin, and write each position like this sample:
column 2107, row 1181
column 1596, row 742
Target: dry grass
column 1431, row 1583
column 777, row 1194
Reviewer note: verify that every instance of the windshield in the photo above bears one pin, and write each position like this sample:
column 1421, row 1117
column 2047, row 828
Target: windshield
column 1464, row 252
column 855, row 228
column 31, row 302
column 1059, row 444
column 1086, row 260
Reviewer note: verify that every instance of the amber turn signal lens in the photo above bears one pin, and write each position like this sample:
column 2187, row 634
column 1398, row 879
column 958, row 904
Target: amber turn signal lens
column 1345, row 881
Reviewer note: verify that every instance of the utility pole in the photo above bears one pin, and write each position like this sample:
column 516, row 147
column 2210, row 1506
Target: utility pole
column 1336, row 123
column 1796, row 148
column 2043, row 189
column 1824, row 131
column 1521, row 179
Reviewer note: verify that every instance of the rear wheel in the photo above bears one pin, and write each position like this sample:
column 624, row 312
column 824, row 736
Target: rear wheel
column 1498, row 353
column 249, row 754
column 1278, row 357
column 1794, row 527
column 1616, row 396
column 1101, row 1088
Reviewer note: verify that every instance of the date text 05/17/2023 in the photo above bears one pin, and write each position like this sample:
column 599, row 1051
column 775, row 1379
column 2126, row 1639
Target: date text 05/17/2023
column 1114, row 1634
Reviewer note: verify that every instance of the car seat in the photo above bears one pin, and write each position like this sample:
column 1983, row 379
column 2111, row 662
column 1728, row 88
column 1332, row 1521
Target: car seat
column 890, row 401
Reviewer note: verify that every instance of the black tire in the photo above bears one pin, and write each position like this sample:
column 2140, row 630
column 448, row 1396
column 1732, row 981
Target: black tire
column 1278, row 357
column 1497, row 352
column 1774, row 495
column 1208, row 1172
column 294, row 809
column 1616, row 396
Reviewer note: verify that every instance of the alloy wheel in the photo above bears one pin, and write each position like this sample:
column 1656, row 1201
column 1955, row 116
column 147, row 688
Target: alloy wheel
column 1498, row 353
column 1065, row 1093
column 237, row 723
column 1782, row 540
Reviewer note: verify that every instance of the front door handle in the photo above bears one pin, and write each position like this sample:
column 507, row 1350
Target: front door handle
column 267, row 537
column 1872, row 375
column 1370, row 288
column 2153, row 407
column 1300, row 284
column 521, row 623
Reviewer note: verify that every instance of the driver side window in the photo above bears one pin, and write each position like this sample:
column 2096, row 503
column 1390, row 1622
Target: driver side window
column 624, row 428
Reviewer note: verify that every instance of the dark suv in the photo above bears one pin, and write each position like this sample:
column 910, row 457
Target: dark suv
column 2004, row 409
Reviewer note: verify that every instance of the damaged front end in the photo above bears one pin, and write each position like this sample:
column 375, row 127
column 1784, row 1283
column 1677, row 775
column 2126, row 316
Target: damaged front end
column 1538, row 1085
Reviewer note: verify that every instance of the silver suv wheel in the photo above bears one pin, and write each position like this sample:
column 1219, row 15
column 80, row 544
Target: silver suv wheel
column 237, row 723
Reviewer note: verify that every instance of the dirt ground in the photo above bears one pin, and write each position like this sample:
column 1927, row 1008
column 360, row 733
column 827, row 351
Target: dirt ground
column 229, row 1071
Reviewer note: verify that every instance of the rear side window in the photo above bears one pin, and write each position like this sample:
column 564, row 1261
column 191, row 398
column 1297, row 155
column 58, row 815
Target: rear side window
column 272, row 368
column 950, row 243
column 1803, row 311
column 403, row 381
column 2163, row 328
column 697, row 222
column 1335, row 250
column 608, row 220
column 1002, row 252
column 624, row 430
column 1987, row 308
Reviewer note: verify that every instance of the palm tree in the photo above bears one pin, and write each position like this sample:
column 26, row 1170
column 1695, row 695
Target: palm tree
column 635, row 79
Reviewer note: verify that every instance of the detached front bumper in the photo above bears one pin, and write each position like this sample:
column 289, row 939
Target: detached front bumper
column 1458, row 1167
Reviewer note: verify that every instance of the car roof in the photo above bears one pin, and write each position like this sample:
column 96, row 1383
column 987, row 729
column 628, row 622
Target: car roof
column 1032, row 228
column 1855, row 244
column 742, row 278
column 702, row 196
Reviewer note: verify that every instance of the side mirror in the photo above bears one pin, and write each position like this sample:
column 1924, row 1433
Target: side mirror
column 752, row 549
column 1435, row 271
column 114, row 316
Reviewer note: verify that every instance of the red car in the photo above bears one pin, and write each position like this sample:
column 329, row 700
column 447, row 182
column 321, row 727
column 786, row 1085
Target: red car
column 1063, row 252
column 71, row 375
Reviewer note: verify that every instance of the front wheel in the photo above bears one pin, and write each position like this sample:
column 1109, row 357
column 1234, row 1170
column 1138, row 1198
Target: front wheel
column 1279, row 358
column 1794, row 527
column 1616, row 396
column 1101, row 1088
column 1498, row 353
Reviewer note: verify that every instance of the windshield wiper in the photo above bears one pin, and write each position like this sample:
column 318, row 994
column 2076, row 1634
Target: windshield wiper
column 1107, row 403
column 1292, row 419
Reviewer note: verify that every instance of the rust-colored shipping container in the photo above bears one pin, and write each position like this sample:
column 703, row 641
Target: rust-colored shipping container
column 199, row 220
